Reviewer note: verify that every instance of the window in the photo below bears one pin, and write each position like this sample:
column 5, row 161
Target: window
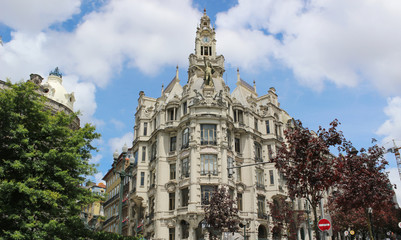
column 184, row 108
column 184, row 197
column 153, row 151
column 136, row 157
column 173, row 141
column 238, row 116
column 184, row 229
column 143, row 154
column 261, row 207
column 171, row 234
column 238, row 171
column 172, row 171
column 259, row 179
column 239, row 201
column 153, row 178
column 271, row 173
column 172, row 114
column 258, row 152
column 185, row 167
column 229, row 138
column 267, row 126
column 208, row 134
column 145, row 129
column 230, row 164
column 237, row 145
column 185, row 138
column 171, row 201
column 142, row 179
column 208, row 164
column 270, row 151
column 256, row 124
column 206, row 194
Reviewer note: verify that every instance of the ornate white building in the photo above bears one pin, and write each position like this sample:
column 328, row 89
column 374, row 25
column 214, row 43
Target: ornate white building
column 185, row 142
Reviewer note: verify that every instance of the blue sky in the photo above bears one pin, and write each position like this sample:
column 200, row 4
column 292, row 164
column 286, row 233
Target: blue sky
column 327, row 59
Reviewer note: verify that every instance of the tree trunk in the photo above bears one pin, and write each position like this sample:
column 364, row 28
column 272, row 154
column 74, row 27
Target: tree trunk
column 317, row 233
column 369, row 224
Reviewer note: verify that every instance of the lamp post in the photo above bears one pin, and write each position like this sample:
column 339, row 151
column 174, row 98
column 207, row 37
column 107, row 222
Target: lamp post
column 245, row 223
column 122, row 173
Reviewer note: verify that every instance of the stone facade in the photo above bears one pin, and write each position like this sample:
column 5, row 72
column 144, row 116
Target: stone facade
column 187, row 141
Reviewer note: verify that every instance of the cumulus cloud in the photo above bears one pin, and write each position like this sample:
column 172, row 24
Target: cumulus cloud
column 33, row 16
column 391, row 128
column 118, row 142
column 129, row 33
column 95, row 159
column 336, row 40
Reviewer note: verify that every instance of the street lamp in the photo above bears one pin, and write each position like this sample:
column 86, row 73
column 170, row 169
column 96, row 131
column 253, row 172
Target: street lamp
column 245, row 224
column 123, row 173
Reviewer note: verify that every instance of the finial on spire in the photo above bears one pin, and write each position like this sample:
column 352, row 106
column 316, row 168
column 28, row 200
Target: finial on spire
column 254, row 85
column 238, row 76
column 162, row 89
column 204, row 11
column 176, row 72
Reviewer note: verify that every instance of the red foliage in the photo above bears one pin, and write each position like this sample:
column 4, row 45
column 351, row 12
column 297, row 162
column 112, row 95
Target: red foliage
column 363, row 185
column 307, row 164
column 283, row 215
column 221, row 213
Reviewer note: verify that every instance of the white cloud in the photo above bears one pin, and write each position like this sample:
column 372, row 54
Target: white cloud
column 98, row 178
column 142, row 34
column 34, row 16
column 118, row 143
column 395, row 179
column 391, row 128
column 335, row 40
column 117, row 124
column 96, row 159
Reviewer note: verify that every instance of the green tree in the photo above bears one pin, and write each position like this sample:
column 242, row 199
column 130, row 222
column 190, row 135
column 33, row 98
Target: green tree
column 43, row 162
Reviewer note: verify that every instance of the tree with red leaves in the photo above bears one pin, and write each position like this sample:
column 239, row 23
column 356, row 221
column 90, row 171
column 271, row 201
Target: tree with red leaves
column 305, row 161
column 284, row 216
column 364, row 185
column 221, row 215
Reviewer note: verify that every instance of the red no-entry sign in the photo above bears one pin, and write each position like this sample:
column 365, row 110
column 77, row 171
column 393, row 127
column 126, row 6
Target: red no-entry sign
column 324, row 224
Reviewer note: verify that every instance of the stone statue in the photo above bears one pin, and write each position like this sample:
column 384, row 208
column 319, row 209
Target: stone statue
column 207, row 79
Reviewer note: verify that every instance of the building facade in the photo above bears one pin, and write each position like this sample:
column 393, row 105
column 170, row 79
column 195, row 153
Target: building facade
column 93, row 213
column 188, row 140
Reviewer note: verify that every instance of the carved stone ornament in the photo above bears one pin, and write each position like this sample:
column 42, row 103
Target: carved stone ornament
column 170, row 187
column 241, row 187
column 171, row 223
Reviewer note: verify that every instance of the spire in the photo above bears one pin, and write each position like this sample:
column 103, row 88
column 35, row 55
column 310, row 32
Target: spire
column 162, row 89
column 176, row 72
column 254, row 85
column 238, row 76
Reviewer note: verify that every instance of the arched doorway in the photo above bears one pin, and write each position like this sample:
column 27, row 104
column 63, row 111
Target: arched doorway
column 262, row 233
column 200, row 230
column 302, row 232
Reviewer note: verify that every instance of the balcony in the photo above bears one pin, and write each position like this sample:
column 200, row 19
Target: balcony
column 109, row 220
column 110, row 200
column 260, row 186
column 262, row 215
